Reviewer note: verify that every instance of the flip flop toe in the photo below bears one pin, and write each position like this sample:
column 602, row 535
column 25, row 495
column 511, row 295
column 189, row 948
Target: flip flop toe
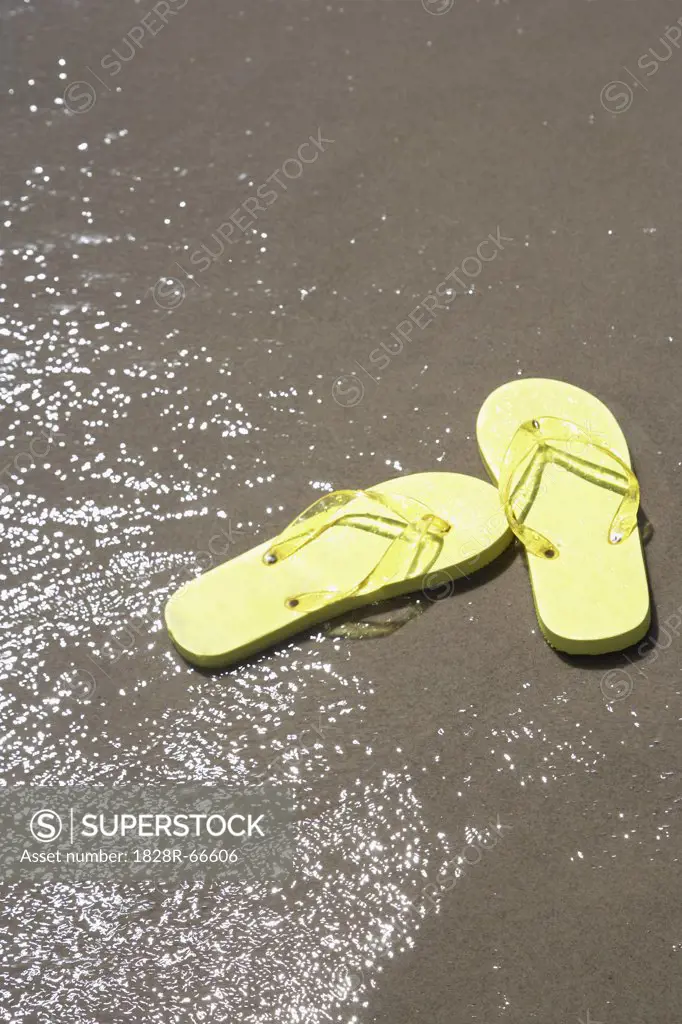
column 571, row 497
column 350, row 548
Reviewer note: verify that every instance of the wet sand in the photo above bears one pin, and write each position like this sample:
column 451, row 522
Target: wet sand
column 199, row 356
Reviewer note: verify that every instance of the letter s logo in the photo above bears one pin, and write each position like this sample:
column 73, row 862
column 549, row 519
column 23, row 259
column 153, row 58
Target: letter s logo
column 46, row 826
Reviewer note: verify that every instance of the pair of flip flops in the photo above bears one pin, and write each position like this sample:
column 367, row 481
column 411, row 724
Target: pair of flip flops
column 564, row 487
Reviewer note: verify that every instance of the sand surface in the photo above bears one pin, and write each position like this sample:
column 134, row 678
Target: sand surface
column 202, row 359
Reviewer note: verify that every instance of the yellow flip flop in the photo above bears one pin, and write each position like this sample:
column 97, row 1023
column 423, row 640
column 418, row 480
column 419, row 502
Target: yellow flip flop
column 348, row 549
column 567, row 487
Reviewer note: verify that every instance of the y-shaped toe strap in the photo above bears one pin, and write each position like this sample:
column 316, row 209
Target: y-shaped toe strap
column 539, row 442
column 413, row 549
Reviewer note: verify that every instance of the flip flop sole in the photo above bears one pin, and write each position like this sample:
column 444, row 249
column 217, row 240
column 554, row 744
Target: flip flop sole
column 240, row 607
column 594, row 597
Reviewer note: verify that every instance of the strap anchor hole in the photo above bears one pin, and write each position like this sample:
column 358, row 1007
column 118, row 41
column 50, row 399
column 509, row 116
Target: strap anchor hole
column 269, row 558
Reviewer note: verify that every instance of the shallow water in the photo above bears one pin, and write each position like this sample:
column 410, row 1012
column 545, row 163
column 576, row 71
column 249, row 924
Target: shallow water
column 155, row 423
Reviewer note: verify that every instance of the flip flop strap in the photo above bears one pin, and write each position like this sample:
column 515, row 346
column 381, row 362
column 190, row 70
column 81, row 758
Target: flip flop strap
column 421, row 532
column 532, row 447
